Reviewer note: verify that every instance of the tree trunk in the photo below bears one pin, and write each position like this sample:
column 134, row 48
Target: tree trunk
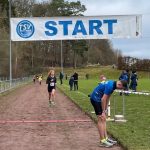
column 75, row 60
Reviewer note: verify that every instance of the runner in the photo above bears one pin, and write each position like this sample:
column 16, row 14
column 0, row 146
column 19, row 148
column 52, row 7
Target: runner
column 34, row 79
column 51, row 81
column 100, row 99
column 40, row 79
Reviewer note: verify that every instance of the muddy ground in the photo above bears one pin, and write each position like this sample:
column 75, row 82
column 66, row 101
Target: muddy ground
column 21, row 128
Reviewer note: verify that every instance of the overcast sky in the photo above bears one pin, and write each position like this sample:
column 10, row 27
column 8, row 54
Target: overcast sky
column 139, row 48
column 133, row 47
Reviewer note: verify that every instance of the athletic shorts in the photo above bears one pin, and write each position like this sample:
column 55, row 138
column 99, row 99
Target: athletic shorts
column 97, row 107
column 50, row 88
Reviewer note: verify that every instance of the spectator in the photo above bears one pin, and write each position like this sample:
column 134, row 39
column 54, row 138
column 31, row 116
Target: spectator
column 66, row 77
column 87, row 76
column 124, row 76
column 75, row 76
column 71, row 81
column 134, row 78
column 61, row 77
column 128, row 74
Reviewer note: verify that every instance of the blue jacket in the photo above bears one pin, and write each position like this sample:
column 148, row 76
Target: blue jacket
column 124, row 76
column 134, row 78
column 71, row 81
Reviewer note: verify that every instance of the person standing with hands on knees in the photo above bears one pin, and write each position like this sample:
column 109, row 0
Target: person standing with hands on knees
column 100, row 99
column 51, row 81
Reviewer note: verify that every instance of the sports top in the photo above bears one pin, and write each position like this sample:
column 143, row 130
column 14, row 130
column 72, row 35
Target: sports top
column 51, row 81
column 106, row 87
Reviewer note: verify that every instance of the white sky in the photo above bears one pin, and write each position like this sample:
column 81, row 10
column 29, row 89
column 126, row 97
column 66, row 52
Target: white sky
column 131, row 47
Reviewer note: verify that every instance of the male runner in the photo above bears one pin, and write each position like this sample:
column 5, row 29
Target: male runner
column 100, row 99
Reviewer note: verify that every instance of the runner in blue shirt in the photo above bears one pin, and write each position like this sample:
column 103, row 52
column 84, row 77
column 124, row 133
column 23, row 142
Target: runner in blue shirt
column 100, row 99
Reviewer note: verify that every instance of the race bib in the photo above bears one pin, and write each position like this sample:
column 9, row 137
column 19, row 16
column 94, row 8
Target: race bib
column 52, row 84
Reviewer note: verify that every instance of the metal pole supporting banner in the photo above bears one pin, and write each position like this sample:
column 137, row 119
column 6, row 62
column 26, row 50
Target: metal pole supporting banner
column 61, row 57
column 10, row 50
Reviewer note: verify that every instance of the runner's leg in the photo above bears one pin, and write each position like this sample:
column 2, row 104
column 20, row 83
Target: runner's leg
column 53, row 96
column 50, row 97
column 101, row 127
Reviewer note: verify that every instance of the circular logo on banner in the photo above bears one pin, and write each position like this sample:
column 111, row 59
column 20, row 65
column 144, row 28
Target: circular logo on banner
column 25, row 29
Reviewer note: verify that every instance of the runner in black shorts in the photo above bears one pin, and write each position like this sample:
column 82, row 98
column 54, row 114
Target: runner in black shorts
column 97, row 107
column 100, row 99
column 51, row 81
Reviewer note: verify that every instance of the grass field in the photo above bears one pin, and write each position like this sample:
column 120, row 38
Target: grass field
column 135, row 133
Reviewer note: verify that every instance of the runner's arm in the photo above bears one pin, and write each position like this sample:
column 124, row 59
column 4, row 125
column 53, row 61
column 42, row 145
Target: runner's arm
column 107, row 102
column 47, row 80
column 55, row 80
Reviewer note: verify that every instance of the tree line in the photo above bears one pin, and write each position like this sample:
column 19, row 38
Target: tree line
column 32, row 57
column 127, row 62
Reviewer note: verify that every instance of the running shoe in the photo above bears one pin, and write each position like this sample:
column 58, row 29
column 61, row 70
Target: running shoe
column 105, row 143
column 111, row 141
column 53, row 103
column 50, row 103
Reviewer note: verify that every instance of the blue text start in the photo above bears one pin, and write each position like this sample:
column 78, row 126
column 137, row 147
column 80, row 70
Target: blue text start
column 94, row 27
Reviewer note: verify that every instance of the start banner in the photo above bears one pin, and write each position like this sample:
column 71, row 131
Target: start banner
column 79, row 27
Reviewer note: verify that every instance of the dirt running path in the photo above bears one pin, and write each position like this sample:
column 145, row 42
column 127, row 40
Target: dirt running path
column 30, row 103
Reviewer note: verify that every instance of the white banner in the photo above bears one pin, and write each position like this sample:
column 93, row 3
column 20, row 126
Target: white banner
column 81, row 27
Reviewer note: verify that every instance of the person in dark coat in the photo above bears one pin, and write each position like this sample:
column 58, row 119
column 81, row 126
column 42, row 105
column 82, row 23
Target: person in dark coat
column 71, row 81
column 61, row 77
column 134, row 79
column 125, row 76
column 128, row 75
column 75, row 76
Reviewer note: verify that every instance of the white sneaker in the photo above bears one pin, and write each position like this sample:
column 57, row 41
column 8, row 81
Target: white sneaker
column 50, row 102
column 105, row 143
column 53, row 103
column 111, row 141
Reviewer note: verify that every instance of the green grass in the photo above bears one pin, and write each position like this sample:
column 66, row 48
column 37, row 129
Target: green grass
column 135, row 133
column 96, row 71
